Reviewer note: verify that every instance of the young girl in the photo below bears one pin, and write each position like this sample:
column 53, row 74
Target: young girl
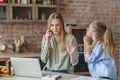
column 99, row 48
column 58, row 49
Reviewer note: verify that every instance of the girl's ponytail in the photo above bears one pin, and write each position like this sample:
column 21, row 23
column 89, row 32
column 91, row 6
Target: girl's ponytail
column 108, row 40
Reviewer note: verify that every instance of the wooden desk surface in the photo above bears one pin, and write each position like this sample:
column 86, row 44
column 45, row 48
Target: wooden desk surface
column 63, row 77
column 5, row 56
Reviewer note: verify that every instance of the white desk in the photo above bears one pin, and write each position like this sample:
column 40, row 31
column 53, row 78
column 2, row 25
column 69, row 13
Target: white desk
column 63, row 77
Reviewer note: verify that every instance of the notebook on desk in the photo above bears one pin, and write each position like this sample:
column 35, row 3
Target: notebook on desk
column 87, row 78
column 29, row 67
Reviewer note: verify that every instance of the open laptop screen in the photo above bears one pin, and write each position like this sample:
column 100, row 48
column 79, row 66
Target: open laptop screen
column 28, row 67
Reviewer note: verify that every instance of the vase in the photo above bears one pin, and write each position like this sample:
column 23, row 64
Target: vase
column 17, row 49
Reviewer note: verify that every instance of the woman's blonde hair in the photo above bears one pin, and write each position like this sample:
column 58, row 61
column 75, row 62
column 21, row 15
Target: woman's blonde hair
column 104, row 34
column 63, row 34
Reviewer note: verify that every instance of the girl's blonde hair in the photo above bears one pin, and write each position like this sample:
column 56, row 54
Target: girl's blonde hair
column 104, row 34
column 63, row 34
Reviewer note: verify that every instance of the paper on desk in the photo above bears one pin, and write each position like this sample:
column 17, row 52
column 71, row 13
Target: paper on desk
column 87, row 78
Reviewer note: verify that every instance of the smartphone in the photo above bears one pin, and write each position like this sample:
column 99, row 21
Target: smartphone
column 50, row 31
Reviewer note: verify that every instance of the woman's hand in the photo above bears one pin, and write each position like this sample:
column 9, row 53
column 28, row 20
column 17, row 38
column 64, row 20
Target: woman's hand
column 48, row 35
column 72, row 53
column 71, row 48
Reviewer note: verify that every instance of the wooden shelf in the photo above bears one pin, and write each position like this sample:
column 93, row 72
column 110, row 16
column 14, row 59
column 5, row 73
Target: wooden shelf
column 43, row 12
column 22, row 13
column 52, row 6
column 4, row 12
column 22, row 5
column 42, row 21
column 21, row 21
column 27, row 12
column 3, row 4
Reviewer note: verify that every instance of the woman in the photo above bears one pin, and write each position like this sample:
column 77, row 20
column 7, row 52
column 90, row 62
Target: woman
column 99, row 48
column 58, row 49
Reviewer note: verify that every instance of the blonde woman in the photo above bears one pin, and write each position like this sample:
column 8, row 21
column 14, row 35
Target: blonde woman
column 99, row 48
column 58, row 49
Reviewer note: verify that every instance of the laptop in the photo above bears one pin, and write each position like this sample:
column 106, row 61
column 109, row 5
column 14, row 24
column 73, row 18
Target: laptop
column 29, row 67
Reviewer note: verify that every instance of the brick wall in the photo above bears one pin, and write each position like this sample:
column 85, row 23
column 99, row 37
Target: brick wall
column 32, row 32
column 83, row 12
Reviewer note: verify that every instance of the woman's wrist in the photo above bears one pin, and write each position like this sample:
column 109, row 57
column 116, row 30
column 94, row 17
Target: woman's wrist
column 73, row 58
column 71, row 54
column 47, row 43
